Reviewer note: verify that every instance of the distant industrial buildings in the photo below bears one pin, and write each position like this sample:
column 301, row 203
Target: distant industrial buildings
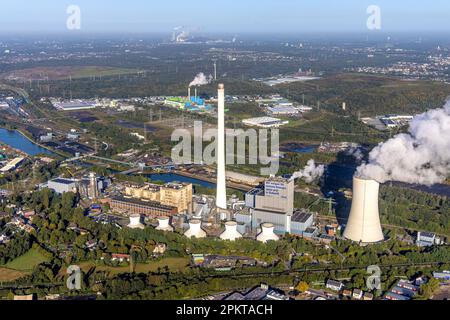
column 13, row 164
column 265, row 122
column 89, row 187
column 74, row 105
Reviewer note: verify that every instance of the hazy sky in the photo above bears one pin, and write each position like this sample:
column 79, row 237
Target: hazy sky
column 224, row 16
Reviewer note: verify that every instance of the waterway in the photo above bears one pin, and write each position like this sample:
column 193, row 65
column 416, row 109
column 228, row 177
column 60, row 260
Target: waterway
column 338, row 176
column 298, row 148
column 170, row 177
column 18, row 141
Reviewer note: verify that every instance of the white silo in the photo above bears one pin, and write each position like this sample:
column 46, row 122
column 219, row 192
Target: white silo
column 195, row 230
column 135, row 222
column 221, row 196
column 267, row 233
column 364, row 224
column 231, row 232
column 164, row 224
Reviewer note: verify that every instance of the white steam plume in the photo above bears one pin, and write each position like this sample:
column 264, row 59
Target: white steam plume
column 356, row 153
column 201, row 80
column 421, row 156
column 310, row 173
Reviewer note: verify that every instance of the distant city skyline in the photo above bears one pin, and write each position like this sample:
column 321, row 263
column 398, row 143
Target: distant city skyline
column 211, row 16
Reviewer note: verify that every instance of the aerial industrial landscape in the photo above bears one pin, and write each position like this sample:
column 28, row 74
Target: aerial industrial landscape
column 224, row 166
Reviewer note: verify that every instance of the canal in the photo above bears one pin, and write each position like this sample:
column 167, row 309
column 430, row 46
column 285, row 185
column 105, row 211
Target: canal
column 170, row 177
column 18, row 141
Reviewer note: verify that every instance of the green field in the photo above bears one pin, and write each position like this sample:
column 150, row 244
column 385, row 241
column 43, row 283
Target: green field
column 7, row 275
column 27, row 261
column 174, row 265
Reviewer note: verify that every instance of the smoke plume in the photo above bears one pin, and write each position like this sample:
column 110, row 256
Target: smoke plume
column 356, row 153
column 421, row 156
column 201, row 80
column 310, row 173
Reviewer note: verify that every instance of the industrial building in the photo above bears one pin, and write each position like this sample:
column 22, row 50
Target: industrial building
column 150, row 209
column 61, row 186
column 264, row 122
column 272, row 203
column 13, row 164
column 90, row 186
column 175, row 194
column 426, row 239
column 74, row 105
column 286, row 109
column 300, row 222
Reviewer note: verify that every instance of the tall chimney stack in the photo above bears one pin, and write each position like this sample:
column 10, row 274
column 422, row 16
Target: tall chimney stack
column 364, row 224
column 221, row 197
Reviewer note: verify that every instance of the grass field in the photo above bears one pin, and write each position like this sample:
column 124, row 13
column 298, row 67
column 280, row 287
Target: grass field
column 64, row 72
column 7, row 275
column 27, row 261
column 174, row 265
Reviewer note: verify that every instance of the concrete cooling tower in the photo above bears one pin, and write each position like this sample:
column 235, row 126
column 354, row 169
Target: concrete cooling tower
column 364, row 224
column 135, row 222
column 195, row 230
column 267, row 233
column 164, row 224
column 230, row 232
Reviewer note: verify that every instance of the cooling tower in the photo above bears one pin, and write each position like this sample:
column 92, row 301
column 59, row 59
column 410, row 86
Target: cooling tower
column 195, row 230
column 221, row 197
column 164, row 224
column 135, row 222
column 364, row 221
column 230, row 232
column 267, row 233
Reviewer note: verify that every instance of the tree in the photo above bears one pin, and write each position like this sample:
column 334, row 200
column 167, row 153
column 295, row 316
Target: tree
column 303, row 286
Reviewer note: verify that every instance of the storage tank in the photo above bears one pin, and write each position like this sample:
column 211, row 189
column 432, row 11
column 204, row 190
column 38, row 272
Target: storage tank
column 231, row 232
column 164, row 224
column 364, row 224
column 195, row 230
column 267, row 233
column 135, row 222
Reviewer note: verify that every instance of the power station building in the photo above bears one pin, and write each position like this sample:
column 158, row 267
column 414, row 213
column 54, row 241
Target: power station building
column 177, row 195
column 273, row 203
column 151, row 209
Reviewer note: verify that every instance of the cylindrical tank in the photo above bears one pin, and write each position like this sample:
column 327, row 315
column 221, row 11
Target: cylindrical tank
column 164, row 224
column 267, row 233
column 364, row 224
column 230, row 232
column 195, row 230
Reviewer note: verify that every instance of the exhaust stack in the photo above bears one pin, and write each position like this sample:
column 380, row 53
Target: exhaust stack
column 221, row 196
column 364, row 224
